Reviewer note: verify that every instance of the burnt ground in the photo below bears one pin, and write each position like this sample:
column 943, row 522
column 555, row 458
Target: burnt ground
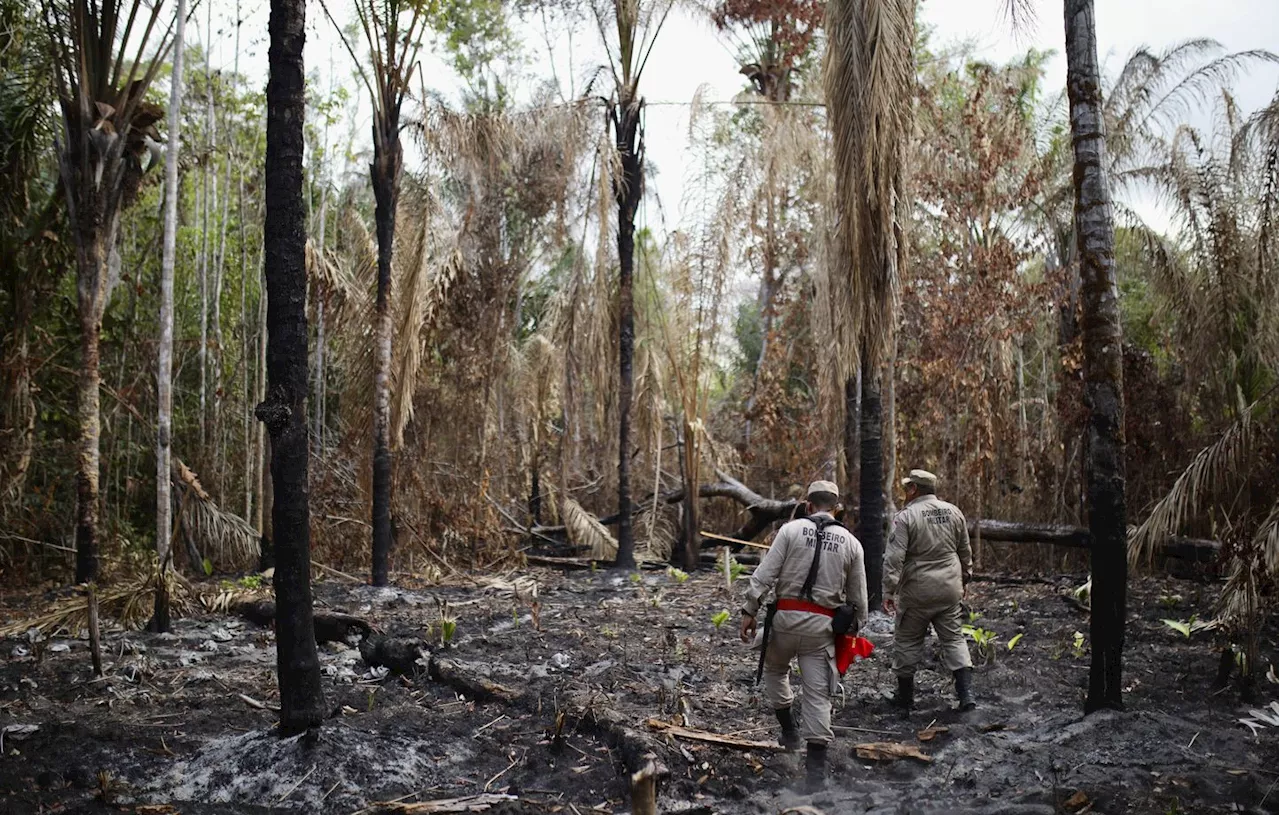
column 169, row 730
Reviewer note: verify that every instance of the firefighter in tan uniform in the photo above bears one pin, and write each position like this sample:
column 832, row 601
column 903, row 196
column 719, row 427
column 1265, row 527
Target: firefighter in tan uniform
column 927, row 566
column 817, row 597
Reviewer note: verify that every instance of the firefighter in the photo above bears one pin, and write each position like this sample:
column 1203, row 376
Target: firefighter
column 927, row 567
column 822, row 594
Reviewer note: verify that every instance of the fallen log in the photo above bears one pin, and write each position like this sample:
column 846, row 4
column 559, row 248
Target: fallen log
column 1077, row 537
column 764, row 512
column 331, row 626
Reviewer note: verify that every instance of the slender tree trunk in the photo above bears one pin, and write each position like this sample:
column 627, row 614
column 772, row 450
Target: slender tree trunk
column 207, row 171
column 870, row 485
column 284, row 411
column 318, row 398
column 627, row 192
column 1103, row 361
column 387, row 163
column 164, row 376
column 88, row 455
column 250, row 465
column 692, row 525
column 262, row 514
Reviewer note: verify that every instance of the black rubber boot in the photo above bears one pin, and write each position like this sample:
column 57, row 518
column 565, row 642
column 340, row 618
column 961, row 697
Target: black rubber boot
column 905, row 698
column 790, row 738
column 815, row 766
column 964, row 689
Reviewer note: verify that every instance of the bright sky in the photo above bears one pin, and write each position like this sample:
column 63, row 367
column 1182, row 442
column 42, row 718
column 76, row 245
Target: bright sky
column 689, row 54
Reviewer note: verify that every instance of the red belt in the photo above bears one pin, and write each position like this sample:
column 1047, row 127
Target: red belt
column 792, row 604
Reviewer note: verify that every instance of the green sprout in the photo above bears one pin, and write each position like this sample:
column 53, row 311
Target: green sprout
column 448, row 627
column 677, row 575
column 1188, row 627
column 1013, row 641
column 983, row 638
column 1077, row 644
column 720, row 618
column 635, row 577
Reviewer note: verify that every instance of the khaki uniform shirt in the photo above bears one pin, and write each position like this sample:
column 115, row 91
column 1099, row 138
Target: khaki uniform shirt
column 928, row 560
column 841, row 575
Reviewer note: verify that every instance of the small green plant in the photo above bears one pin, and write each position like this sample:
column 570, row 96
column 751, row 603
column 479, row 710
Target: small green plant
column 608, row 632
column 974, row 616
column 677, row 575
column 720, row 618
column 369, row 702
column 448, row 626
column 1083, row 593
column 1170, row 600
column 655, row 599
column 1188, row 627
column 1077, row 644
column 1013, row 642
column 636, row 578
column 736, row 569
column 983, row 638
column 207, row 565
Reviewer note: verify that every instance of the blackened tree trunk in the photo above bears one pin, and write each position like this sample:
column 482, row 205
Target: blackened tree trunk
column 284, row 411
column 1103, row 360
column 870, row 481
column 689, row 459
column 386, row 167
column 627, row 192
column 852, row 452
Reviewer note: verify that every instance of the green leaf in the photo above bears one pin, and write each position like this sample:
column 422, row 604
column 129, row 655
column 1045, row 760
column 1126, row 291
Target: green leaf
column 1183, row 628
column 720, row 618
column 208, row 567
column 1013, row 641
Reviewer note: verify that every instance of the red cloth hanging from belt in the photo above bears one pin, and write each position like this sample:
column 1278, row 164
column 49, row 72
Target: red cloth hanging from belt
column 847, row 647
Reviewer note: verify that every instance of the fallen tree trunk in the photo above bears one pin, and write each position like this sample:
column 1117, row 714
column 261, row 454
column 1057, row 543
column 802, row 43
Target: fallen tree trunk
column 1077, row 537
column 764, row 512
column 330, row 626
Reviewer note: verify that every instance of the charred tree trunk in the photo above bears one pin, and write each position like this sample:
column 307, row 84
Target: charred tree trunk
column 284, row 411
column 88, row 454
column 627, row 193
column 1103, row 360
column 870, row 491
column 692, row 525
column 852, row 454
column 386, row 188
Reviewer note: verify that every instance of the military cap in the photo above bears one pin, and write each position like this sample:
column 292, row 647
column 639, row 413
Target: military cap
column 922, row 478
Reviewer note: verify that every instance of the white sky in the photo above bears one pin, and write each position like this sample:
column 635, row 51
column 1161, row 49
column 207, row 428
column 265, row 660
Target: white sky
column 689, row 53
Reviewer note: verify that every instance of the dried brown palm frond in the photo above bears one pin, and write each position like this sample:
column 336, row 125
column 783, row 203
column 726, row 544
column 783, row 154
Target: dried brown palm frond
column 1210, row 474
column 586, row 532
column 656, row 534
column 227, row 540
column 129, row 603
column 869, row 85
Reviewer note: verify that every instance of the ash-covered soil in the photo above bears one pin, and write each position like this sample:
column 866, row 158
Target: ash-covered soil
column 183, row 722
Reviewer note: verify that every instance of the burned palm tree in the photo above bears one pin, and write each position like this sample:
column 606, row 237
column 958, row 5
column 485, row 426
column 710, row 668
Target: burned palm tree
column 106, row 55
column 284, row 410
column 870, row 79
column 636, row 25
column 393, row 31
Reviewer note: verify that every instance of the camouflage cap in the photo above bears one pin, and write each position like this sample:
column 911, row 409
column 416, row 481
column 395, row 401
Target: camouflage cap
column 824, row 486
column 922, row 478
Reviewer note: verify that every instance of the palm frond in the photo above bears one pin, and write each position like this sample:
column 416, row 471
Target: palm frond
column 1199, row 484
column 586, row 532
column 869, row 87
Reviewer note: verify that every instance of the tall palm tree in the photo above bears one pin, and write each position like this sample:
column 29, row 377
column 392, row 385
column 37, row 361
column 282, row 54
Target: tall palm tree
column 284, row 410
column 636, row 25
column 870, row 80
column 393, row 32
column 1103, row 359
column 102, row 74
